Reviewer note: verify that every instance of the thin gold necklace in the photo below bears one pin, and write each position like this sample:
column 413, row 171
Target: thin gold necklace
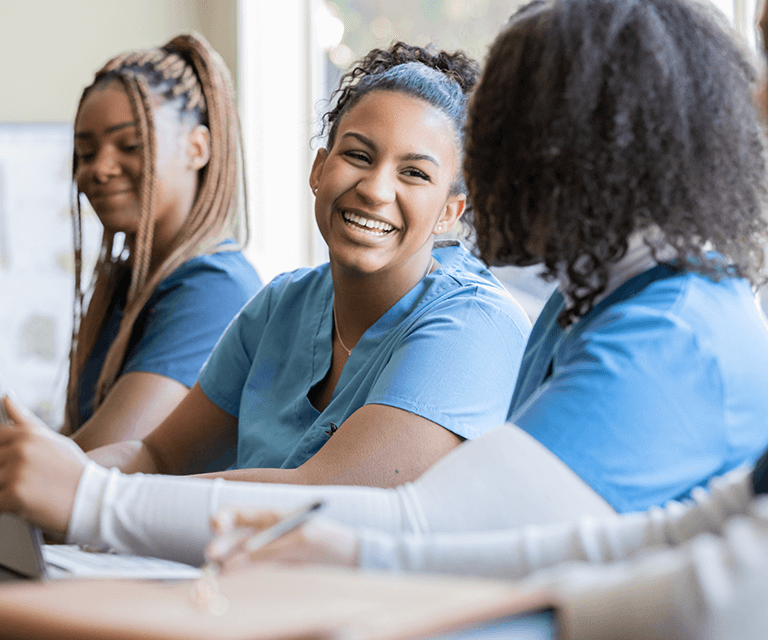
column 336, row 324
column 338, row 335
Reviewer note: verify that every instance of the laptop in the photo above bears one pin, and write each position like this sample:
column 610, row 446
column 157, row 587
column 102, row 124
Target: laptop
column 25, row 556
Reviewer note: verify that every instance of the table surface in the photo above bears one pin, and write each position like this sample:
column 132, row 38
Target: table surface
column 266, row 601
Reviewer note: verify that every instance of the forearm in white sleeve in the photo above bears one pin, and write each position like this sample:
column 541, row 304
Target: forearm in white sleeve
column 712, row 588
column 483, row 484
column 519, row 551
column 503, row 479
column 169, row 516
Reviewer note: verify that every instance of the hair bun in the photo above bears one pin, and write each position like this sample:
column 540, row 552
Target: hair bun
column 457, row 65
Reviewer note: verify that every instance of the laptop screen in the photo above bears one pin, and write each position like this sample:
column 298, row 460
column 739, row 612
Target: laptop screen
column 19, row 549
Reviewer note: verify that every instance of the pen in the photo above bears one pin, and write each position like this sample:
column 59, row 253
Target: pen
column 270, row 534
column 205, row 590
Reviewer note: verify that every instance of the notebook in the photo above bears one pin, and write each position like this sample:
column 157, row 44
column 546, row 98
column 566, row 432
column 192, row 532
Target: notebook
column 23, row 555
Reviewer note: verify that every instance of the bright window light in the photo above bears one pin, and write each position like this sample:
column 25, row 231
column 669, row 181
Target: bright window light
column 329, row 29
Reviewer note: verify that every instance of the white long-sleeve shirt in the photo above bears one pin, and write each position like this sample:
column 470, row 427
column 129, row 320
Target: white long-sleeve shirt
column 517, row 552
column 500, row 505
column 711, row 588
column 500, row 480
column 693, row 570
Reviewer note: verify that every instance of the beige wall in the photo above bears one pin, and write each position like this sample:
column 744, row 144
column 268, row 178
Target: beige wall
column 50, row 49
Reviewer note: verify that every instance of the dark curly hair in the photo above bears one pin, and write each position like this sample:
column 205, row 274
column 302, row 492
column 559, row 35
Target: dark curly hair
column 441, row 79
column 596, row 118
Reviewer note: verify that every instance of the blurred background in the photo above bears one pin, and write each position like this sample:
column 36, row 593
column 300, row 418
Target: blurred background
column 285, row 55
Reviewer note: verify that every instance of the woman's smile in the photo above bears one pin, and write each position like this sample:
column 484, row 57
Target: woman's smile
column 366, row 225
column 384, row 185
column 108, row 195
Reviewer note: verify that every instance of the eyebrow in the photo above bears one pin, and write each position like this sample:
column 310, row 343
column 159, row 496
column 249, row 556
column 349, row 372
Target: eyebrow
column 411, row 157
column 112, row 129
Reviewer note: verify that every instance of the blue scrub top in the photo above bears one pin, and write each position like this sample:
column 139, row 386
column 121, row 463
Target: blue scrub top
column 448, row 351
column 179, row 325
column 660, row 387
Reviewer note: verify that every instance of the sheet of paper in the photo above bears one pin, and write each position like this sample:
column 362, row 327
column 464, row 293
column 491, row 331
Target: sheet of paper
column 67, row 561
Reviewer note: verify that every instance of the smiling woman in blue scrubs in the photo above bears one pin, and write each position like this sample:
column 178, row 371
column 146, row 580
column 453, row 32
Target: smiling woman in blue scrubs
column 368, row 369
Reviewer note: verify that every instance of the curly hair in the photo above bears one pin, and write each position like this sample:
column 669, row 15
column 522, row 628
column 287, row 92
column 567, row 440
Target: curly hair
column 188, row 73
column 441, row 79
column 595, row 119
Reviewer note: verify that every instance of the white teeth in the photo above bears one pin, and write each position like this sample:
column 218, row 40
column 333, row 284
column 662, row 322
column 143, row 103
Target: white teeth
column 367, row 222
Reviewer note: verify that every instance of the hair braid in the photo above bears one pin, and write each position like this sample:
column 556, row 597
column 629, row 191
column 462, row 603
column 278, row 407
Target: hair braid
column 189, row 71
column 138, row 94
column 77, row 309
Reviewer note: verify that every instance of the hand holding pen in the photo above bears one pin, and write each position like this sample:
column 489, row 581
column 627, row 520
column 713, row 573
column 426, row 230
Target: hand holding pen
column 205, row 591
column 228, row 545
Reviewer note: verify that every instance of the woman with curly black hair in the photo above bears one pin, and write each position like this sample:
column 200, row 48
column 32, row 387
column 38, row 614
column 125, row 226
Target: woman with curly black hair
column 628, row 159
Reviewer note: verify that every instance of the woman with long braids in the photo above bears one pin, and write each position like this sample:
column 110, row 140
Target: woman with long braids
column 365, row 370
column 156, row 155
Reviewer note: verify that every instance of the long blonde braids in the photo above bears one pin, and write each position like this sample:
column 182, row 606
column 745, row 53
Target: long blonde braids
column 189, row 70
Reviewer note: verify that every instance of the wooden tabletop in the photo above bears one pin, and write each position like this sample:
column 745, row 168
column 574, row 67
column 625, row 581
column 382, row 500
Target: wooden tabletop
column 262, row 602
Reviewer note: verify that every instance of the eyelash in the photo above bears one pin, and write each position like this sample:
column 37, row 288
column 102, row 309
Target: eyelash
column 418, row 174
column 412, row 172
column 357, row 155
column 126, row 148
